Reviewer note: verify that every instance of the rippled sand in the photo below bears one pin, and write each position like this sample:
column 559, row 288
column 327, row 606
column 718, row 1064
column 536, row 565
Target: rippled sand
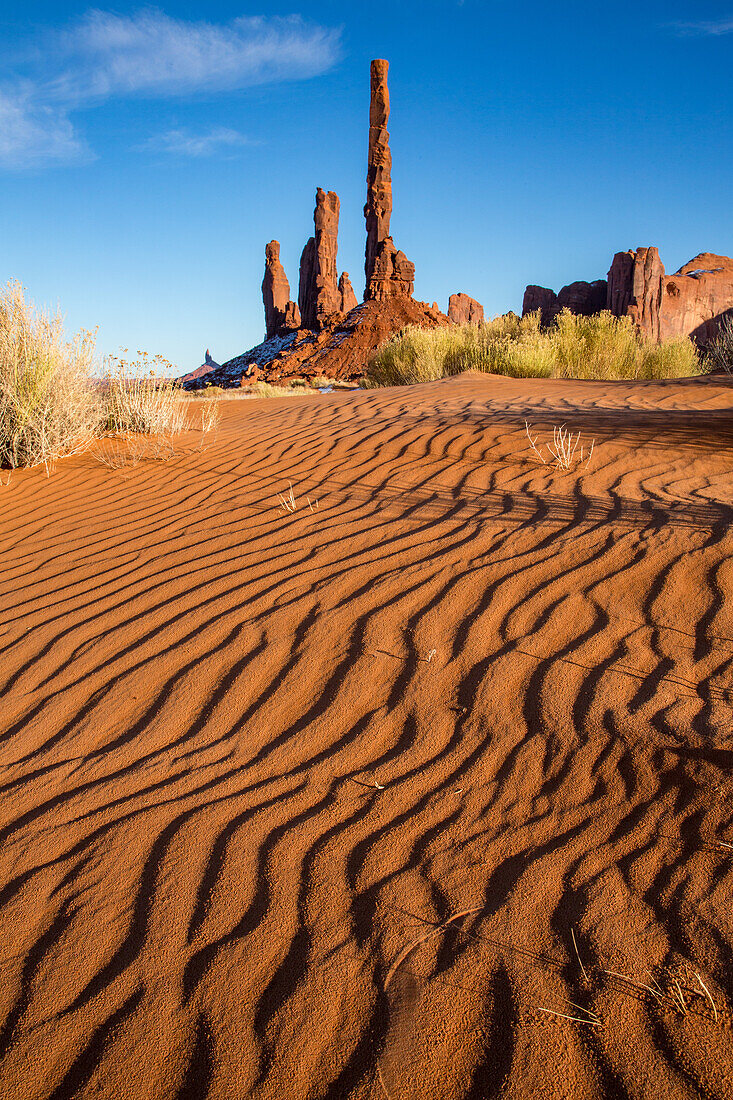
column 333, row 803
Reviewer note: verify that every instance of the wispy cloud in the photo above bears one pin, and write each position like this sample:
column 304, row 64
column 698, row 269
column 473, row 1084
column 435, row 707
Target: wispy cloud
column 150, row 54
column 714, row 27
column 32, row 134
column 184, row 143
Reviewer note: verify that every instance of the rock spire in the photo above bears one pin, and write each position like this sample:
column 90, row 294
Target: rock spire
column 275, row 290
column 388, row 271
column 346, row 294
column 319, row 296
column 326, row 219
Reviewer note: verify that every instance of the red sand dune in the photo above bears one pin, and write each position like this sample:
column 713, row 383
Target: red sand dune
column 203, row 891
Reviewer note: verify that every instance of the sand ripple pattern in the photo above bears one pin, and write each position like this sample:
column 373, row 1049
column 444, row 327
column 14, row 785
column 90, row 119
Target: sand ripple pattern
column 254, row 765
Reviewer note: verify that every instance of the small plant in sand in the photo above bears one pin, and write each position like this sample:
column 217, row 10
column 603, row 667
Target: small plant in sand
column 290, row 504
column 139, row 398
column 145, row 412
column 48, row 405
column 562, row 452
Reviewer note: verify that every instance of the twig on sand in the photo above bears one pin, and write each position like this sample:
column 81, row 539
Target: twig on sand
column 706, row 991
column 533, row 443
column 372, row 786
column 589, row 1018
column 562, row 449
column 674, row 997
column 580, row 961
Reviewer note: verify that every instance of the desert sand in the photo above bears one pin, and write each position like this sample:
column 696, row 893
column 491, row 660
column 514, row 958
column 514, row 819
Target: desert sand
column 334, row 802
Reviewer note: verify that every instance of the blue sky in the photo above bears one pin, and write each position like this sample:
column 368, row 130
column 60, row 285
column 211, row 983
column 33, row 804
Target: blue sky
column 147, row 154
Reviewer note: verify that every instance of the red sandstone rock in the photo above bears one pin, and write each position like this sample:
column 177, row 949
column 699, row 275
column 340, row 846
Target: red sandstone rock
column 346, row 294
column 291, row 320
column 697, row 297
column 620, row 283
column 275, row 289
column 326, row 218
column 646, row 295
column 378, row 208
column 307, row 285
column 206, row 367
column 543, row 299
column 393, row 275
column 389, row 274
column 464, row 310
column 583, row 298
column 691, row 302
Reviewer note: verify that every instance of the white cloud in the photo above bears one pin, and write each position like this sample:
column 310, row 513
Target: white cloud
column 150, row 54
column 706, row 27
column 32, row 134
column 187, row 144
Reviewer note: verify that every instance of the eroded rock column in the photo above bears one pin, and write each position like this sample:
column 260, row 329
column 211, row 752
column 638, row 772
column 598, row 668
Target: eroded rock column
column 346, row 293
column 326, row 219
column 378, row 208
column 275, row 290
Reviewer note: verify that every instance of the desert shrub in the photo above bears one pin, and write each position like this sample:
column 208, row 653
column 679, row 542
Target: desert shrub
column 720, row 349
column 670, row 359
column 138, row 398
column 48, row 406
column 268, row 389
column 601, row 346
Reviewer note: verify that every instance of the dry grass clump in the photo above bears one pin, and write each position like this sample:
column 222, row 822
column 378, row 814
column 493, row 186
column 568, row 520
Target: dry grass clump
column 138, row 398
column 562, row 452
column 720, row 350
column 48, row 407
column 51, row 404
column 601, row 347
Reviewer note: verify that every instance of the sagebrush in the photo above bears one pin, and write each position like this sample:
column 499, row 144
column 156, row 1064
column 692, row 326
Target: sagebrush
column 48, row 405
column 601, row 347
column 53, row 402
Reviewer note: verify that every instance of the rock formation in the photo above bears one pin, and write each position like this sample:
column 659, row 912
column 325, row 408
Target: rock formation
column 328, row 332
column 393, row 275
column 389, row 273
column 207, row 367
column 464, row 310
column 275, row 290
column 326, row 219
column 319, row 294
column 635, row 289
column 346, row 294
column 697, row 298
column 307, row 284
column 543, row 299
column 583, row 298
column 691, row 302
column 378, row 208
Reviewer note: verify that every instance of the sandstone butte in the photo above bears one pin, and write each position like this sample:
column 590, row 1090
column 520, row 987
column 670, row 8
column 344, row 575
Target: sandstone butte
column 464, row 310
column 691, row 302
column 329, row 333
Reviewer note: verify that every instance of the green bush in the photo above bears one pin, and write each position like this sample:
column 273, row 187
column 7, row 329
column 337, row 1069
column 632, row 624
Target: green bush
column 601, row 347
